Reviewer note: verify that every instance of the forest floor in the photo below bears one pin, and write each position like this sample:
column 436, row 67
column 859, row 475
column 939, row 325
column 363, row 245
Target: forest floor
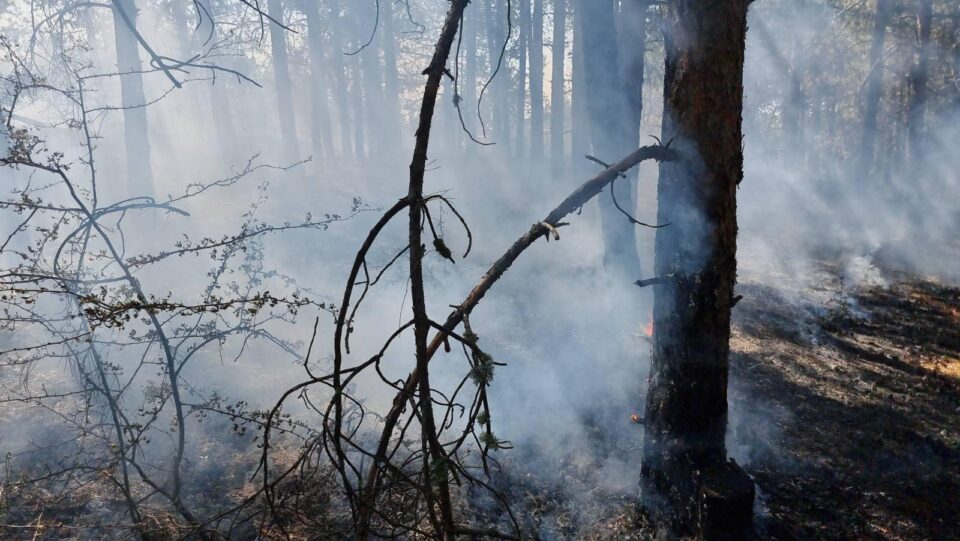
column 852, row 414
column 845, row 410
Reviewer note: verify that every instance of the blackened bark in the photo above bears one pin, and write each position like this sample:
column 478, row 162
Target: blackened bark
column 132, row 100
column 686, row 411
column 281, row 81
column 580, row 133
column 557, row 101
column 611, row 131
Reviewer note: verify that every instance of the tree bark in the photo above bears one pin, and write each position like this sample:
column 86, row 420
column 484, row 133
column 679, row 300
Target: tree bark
column 612, row 132
column 685, row 478
column 281, row 80
column 132, row 100
column 580, row 132
column 557, row 101
column 874, row 89
column 536, row 82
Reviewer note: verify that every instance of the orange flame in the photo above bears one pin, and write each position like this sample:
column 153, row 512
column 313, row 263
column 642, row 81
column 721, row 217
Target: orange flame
column 648, row 330
column 635, row 418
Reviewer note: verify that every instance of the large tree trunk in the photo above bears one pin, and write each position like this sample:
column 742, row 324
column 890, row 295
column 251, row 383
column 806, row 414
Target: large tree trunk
column 919, row 76
column 557, row 102
column 132, row 99
column 688, row 487
column 874, row 89
column 281, row 80
column 536, row 82
column 319, row 102
column 611, row 130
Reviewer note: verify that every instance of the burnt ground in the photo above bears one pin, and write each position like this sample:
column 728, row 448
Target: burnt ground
column 847, row 411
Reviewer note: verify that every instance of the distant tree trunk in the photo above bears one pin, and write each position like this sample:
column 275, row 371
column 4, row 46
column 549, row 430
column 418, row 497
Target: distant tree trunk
column 688, row 487
column 498, row 93
column 220, row 99
column 536, row 82
column 874, row 89
column 319, row 100
column 342, row 105
column 634, row 48
column 557, row 102
column 135, row 129
column 580, row 131
column 368, row 89
column 281, row 79
column 919, row 76
column 613, row 133
column 391, row 75
column 523, row 37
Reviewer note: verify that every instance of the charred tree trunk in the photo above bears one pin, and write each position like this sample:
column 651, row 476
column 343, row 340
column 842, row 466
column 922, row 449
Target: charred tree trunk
column 874, row 89
column 319, row 101
column 536, row 81
column 281, row 80
column 688, row 487
column 611, row 131
column 557, row 101
column 919, row 77
column 132, row 100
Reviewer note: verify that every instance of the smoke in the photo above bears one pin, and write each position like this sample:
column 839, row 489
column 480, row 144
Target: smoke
column 571, row 337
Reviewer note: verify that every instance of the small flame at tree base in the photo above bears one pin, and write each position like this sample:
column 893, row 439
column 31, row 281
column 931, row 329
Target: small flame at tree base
column 648, row 330
column 635, row 419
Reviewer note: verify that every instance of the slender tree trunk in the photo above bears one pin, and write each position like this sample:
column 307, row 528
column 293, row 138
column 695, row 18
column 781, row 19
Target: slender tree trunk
column 281, row 80
column 919, row 76
column 391, row 75
column 874, row 89
column 135, row 129
column 371, row 76
column 613, row 132
column 341, row 103
column 688, row 487
column 536, row 82
column 498, row 94
column 220, row 99
column 633, row 55
column 520, row 114
column 557, row 101
column 319, row 99
column 580, row 136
